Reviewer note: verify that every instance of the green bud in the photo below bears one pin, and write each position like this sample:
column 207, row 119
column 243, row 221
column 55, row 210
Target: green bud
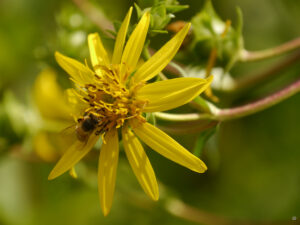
column 161, row 13
column 210, row 31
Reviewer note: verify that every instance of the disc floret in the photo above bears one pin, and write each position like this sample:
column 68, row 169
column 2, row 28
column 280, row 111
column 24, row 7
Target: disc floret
column 111, row 101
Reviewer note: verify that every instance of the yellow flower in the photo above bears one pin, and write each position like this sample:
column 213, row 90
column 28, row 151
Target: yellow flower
column 55, row 114
column 49, row 99
column 115, row 95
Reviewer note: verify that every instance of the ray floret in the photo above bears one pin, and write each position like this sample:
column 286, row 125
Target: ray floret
column 114, row 95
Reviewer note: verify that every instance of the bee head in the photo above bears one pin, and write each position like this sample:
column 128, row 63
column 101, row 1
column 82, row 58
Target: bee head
column 90, row 123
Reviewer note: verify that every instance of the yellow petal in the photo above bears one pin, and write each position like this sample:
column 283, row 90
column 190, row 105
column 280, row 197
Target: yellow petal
column 73, row 173
column 76, row 105
column 79, row 72
column 120, row 39
column 135, row 45
column 98, row 54
column 161, row 58
column 48, row 96
column 73, row 155
column 166, row 146
column 107, row 170
column 43, row 147
column 169, row 94
column 140, row 163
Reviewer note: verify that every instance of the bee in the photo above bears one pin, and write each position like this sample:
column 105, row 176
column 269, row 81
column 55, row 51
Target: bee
column 86, row 126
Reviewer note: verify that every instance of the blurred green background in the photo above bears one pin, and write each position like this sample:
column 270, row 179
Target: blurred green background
column 253, row 162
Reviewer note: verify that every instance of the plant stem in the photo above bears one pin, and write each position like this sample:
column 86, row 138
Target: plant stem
column 182, row 117
column 200, row 104
column 95, row 15
column 182, row 210
column 176, row 68
column 235, row 112
column 248, row 81
column 247, row 56
column 259, row 105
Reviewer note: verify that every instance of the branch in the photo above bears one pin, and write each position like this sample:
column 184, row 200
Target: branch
column 249, row 81
column 182, row 210
column 95, row 16
column 235, row 112
column 190, row 213
column 247, row 56
column 259, row 105
column 182, row 117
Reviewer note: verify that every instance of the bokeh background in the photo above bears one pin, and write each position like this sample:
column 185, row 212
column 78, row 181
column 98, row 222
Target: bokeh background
column 253, row 162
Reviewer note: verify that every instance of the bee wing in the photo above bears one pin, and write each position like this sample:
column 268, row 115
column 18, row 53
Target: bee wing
column 68, row 135
column 70, row 130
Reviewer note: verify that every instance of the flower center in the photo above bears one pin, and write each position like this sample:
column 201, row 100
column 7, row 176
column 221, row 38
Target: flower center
column 111, row 102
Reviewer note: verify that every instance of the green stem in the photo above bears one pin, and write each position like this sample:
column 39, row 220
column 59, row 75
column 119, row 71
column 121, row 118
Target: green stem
column 251, row 80
column 146, row 52
column 201, row 104
column 179, row 68
column 247, row 56
column 95, row 15
column 178, row 208
column 182, row 210
column 259, row 105
column 182, row 117
column 236, row 112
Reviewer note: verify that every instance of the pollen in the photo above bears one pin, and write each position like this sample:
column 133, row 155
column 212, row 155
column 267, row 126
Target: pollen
column 110, row 100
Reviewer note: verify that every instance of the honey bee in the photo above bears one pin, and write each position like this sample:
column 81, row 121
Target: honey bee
column 86, row 126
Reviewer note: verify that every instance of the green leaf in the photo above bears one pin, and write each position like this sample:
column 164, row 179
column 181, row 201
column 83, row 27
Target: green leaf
column 138, row 10
column 176, row 8
column 160, row 31
column 202, row 139
column 162, row 11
